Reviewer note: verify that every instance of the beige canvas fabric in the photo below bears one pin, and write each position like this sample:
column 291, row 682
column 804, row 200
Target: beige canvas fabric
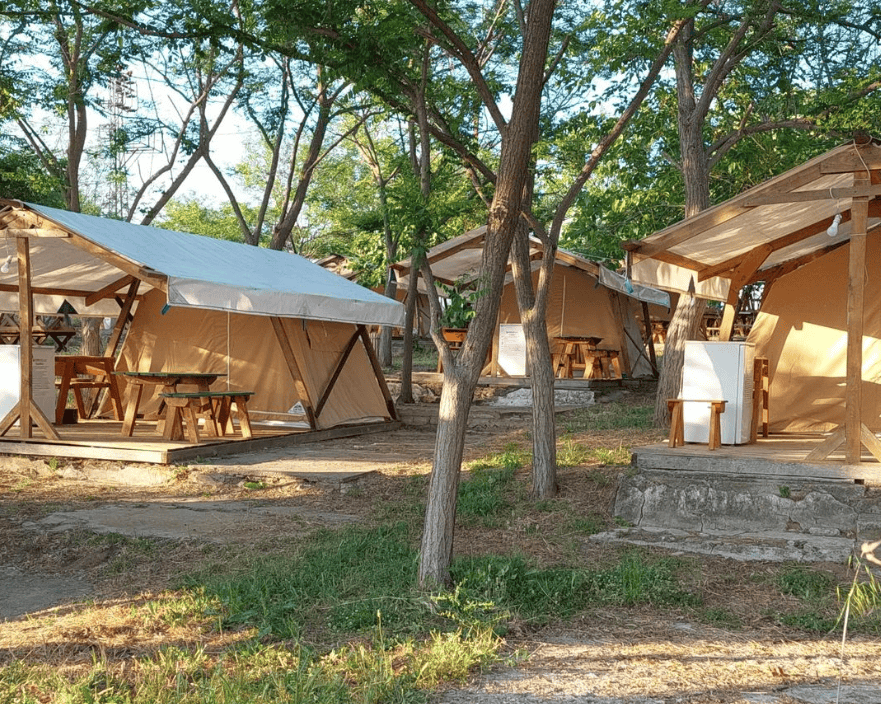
column 244, row 349
column 802, row 329
column 578, row 307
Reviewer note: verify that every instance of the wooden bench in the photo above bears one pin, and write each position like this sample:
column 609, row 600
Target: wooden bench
column 677, row 421
column 214, row 406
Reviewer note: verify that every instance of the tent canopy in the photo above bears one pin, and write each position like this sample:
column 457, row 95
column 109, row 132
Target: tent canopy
column 764, row 233
column 458, row 259
column 585, row 299
column 777, row 232
column 76, row 256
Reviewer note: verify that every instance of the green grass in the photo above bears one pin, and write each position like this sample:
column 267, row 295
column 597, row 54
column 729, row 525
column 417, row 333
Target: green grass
column 484, row 496
column 340, row 582
column 610, row 416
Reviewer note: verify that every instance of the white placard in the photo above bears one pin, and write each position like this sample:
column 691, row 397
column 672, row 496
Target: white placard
column 512, row 350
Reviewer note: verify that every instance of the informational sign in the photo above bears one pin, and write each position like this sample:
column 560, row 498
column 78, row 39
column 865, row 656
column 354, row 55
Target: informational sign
column 512, row 350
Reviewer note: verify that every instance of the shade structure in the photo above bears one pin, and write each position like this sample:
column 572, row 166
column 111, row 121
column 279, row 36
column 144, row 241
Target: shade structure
column 808, row 235
column 193, row 271
column 267, row 321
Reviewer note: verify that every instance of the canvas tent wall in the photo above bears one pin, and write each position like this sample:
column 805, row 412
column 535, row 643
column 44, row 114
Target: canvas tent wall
column 802, row 330
column 239, row 347
column 271, row 313
column 579, row 304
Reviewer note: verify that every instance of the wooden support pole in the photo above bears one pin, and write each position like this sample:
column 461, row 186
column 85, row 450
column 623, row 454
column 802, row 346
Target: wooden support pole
column 26, row 411
column 377, row 372
column 855, row 311
column 294, row 368
column 338, row 369
column 26, row 340
column 649, row 338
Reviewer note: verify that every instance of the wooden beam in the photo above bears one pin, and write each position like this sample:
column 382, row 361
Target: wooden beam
column 745, row 270
column 377, row 372
column 829, row 445
column 788, row 267
column 26, row 411
column 294, row 368
column 109, row 290
column 47, row 291
column 32, row 232
column 338, row 368
column 649, row 338
column 803, row 196
column 125, row 265
column 855, row 312
column 675, row 259
column 122, row 318
column 858, row 159
column 26, row 340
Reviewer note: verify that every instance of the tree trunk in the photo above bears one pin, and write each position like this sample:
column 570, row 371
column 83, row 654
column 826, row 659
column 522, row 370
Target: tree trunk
column 696, row 179
column 538, row 359
column 385, row 334
column 684, row 326
column 410, row 313
column 460, row 378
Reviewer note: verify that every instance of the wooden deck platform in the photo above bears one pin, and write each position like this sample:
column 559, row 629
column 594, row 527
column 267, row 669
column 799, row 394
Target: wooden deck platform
column 102, row 440
column 781, row 455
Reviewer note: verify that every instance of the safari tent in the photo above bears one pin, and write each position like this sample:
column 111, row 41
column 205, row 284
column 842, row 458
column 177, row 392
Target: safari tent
column 811, row 235
column 586, row 300
column 266, row 321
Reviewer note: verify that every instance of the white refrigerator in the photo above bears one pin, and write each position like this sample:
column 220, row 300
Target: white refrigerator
column 716, row 371
column 42, row 379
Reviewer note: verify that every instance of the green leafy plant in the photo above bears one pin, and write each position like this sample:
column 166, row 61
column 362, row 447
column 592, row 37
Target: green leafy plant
column 459, row 309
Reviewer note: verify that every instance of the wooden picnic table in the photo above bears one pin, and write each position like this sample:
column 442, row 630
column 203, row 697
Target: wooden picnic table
column 582, row 353
column 10, row 334
column 170, row 383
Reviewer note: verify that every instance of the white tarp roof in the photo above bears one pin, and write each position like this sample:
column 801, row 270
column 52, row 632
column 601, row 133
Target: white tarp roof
column 201, row 272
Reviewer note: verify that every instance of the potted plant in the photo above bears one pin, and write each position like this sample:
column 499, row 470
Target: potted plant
column 458, row 311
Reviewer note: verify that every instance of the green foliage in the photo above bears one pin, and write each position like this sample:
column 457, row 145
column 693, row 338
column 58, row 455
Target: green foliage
column 22, row 177
column 458, row 308
column 189, row 215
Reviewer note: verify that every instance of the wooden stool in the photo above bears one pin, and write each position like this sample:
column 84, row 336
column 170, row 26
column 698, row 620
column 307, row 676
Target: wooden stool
column 677, row 421
column 214, row 406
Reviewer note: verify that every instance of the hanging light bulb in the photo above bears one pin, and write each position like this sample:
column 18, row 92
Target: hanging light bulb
column 832, row 230
column 107, row 323
column 4, row 268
